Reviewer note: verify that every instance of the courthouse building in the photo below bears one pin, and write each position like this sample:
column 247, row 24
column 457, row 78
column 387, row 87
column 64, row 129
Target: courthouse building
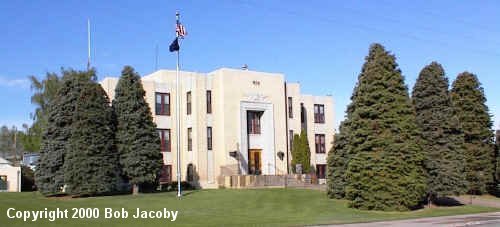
column 234, row 122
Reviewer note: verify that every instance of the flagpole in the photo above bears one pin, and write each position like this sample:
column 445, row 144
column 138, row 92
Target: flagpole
column 178, row 96
column 88, row 43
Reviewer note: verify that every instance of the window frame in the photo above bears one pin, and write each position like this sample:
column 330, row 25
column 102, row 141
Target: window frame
column 165, row 145
column 209, row 138
column 319, row 113
column 162, row 108
column 319, row 143
column 290, row 107
column 209, row 101
column 254, row 122
column 188, row 102
column 321, row 172
column 166, row 168
column 190, row 139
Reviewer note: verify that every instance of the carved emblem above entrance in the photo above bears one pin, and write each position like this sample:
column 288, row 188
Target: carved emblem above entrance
column 255, row 97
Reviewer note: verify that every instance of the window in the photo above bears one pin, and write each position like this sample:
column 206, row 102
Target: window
column 165, row 143
column 188, row 103
column 319, row 140
column 190, row 172
column 3, row 182
column 253, row 120
column 162, row 106
column 319, row 113
column 290, row 137
column 190, row 139
column 320, row 171
column 290, row 107
column 302, row 113
column 209, row 138
column 209, row 101
column 166, row 174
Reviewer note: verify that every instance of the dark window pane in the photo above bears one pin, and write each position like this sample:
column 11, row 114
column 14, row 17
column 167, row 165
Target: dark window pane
column 188, row 103
column 209, row 138
column 209, row 101
column 319, row 113
column 190, row 139
column 162, row 103
column 253, row 122
column 165, row 143
column 320, row 171
column 166, row 174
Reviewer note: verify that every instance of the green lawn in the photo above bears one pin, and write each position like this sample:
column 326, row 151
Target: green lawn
column 272, row 207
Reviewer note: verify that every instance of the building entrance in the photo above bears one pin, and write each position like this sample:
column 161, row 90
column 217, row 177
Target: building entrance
column 255, row 162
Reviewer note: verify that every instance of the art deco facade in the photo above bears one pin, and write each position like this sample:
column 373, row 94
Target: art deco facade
column 234, row 122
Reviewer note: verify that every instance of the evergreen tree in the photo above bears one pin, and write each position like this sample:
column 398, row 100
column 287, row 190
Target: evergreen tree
column 441, row 137
column 296, row 154
column 385, row 172
column 497, row 152
column 137, row 140
column 91, row 162
column 340, row 155
column 301, row 153
column 49, row 174
column 470, row 103
column 337, row 161
column 44, row 92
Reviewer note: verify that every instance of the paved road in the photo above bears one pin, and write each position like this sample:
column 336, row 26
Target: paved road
column 479, row 220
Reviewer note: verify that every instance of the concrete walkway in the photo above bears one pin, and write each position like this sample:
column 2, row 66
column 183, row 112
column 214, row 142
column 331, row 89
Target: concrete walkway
column 480, row 220
column 476, row 200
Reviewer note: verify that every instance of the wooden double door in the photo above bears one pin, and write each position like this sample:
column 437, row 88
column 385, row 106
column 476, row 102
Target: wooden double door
column 255, row 161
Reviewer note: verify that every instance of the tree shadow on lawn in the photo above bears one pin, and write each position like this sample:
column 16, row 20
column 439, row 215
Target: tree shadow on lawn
column 438, row 202
column 447, row 202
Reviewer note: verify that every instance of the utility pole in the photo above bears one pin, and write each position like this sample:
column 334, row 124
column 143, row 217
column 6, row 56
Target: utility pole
column 15, row 144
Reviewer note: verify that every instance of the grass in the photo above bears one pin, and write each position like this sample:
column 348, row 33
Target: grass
column 271, row 207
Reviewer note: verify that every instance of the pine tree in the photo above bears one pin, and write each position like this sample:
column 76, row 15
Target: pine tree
column 470, row 103
column 441, row 136
column 385, row 172
column 44, row 92
column 138, row 141
column 301, row 153
column 497, row 153
column 340, row 155
column 337, row 161
column 49, row 174
column 91, row 163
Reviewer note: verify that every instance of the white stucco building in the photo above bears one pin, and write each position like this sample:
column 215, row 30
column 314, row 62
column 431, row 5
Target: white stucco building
column 234, row 122
column 10, row 177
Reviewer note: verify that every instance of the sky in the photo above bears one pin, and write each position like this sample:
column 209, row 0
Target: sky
column 321, row 44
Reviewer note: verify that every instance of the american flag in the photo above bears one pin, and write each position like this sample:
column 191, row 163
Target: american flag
column 180, row 30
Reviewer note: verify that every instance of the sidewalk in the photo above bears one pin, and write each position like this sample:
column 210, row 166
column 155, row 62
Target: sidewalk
column 482, row 220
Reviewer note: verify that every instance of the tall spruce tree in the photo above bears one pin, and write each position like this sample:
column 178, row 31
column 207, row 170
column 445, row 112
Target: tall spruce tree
column 44, row 92
column 340, row 154
column 441, row 136
column 49, row 174
column 385, row 172
column 468, row 98
column 137, row 139
column 91, row 162
column 337, row 161
column 497, row 152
